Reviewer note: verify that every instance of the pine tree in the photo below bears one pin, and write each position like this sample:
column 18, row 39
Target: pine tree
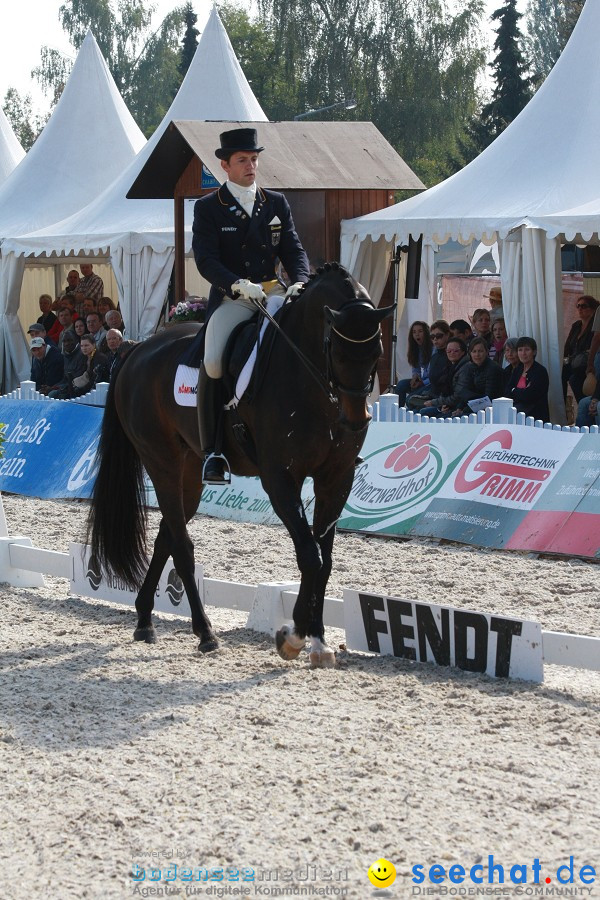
column 190, row 39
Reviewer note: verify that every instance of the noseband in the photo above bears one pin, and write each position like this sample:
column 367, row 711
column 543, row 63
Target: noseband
column 335, row 385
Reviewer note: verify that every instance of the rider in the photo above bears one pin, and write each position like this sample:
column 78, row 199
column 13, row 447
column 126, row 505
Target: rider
column 241, row 232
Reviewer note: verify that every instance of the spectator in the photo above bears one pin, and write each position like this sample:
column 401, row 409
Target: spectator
column 529, row 382
column 499, row 337
column 511, row 361
column 461, row 390
column 104, row 305
column 439, row 367
column 72, row 283
column 593, row 366
column 587, row 411
column 65, row 320
column 486, row 375
column 74, row 363
column 90, row 285
column 577, row 347
column 495, row 298
column 96, row 369
column 460, row 328
column 46, row 365
column 94, row 327
column 114, row 341
column 79, row 328
column 47, row 318
column 113, row 319
column 481, row 325
column 38, row 330
column 418, row 355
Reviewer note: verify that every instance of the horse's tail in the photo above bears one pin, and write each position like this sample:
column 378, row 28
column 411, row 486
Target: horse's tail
column 116, row 530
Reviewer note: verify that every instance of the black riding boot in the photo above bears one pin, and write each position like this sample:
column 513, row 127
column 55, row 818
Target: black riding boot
column 210, row 406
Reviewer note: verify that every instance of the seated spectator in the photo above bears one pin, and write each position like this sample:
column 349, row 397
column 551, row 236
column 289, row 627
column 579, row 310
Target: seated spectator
column 486, row 375
column 577, row 347
column 104, row 305
column 499, row 338
column 94, row 327
column 418, row 355
column 79, row 328
column 47, row 318
column 439, row 368
column 461, row 390
column 113, row 319
column 460, row 328
column 593, row 366
column 511, row 361
column 96, row 370
column 74, row 363
column 65, row 320
column 38, row 330
column 114, row 342
column 529, row 382
column 46, row 365
column 495, row 298
column 482, row 325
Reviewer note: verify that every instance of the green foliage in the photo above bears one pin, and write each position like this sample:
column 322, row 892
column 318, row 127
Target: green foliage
column 19, row 112
column 190, row 40
column 411, row 67
column 549, row 26
column 512, row 89
column 143, row 63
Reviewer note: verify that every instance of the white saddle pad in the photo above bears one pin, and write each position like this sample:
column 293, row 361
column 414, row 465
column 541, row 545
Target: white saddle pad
column 273, row 304
column 185, row 387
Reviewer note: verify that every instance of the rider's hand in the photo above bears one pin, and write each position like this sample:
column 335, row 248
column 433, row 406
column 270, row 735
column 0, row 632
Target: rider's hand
column 294, row 290
column 248, row 290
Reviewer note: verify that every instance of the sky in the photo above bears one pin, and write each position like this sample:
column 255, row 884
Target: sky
column 27, row 26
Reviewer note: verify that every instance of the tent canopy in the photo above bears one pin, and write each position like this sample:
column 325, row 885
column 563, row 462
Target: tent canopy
column 88, row 141
column 11, row 152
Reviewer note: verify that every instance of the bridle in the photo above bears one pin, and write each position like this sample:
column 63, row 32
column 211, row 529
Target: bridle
column 336, row 385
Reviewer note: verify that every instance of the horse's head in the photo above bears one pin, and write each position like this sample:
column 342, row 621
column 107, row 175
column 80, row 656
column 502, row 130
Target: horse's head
column 352, row 342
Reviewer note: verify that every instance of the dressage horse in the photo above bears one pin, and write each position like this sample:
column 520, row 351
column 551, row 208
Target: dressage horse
column 308, row 418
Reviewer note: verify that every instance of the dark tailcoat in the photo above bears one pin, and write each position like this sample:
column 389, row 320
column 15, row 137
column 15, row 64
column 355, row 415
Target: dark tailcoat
column 228, row 244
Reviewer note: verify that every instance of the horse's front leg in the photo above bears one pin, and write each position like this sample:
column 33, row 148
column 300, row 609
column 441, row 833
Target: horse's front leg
column 285, row 496
column 331, row 493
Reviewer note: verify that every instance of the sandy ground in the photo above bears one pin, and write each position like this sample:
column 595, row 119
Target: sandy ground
column 116, row 757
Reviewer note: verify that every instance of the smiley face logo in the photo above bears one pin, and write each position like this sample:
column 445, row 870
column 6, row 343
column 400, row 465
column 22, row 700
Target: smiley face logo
column 382, row 873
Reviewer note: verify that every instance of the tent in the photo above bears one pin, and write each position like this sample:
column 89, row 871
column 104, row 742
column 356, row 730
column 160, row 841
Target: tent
column 89, row 139
column 11, row 152
column 138, row 234
column 530, row 189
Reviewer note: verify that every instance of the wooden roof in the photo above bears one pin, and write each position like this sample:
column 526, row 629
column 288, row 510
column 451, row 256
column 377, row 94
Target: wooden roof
column 298, row 156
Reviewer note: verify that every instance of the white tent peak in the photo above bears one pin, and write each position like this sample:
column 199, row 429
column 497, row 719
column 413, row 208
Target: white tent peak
column 215, row 82
column 544, row 161
column 88, row 141
column 11, row 152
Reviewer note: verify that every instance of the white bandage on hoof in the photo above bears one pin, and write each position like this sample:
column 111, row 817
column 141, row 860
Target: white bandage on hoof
column 321, row 655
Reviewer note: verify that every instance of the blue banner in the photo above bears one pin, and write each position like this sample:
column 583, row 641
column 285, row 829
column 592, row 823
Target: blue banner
column 49, row 448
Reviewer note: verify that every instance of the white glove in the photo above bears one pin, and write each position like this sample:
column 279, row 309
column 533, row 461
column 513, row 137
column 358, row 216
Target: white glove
column 294, row 290
column 248, row 290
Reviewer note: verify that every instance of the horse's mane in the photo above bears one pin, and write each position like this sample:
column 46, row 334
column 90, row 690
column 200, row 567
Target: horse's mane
column 348, row 285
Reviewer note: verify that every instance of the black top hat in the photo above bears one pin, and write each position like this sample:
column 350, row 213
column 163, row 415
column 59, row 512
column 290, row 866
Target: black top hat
column 239, row 139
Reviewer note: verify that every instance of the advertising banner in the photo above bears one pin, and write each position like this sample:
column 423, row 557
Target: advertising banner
column 49, row 448
column 473, row 641
column 405, row 467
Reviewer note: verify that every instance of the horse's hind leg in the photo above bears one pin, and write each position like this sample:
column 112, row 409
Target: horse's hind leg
column 144, row 603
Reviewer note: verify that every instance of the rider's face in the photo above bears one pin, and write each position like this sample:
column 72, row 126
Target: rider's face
column 241, row 168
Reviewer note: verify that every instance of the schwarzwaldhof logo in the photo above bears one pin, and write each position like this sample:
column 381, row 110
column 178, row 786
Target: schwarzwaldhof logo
column 174, row 588
column 93, row 573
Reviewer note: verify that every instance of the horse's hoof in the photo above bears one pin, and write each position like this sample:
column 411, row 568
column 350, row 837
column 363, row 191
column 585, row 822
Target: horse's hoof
column 208, row 645
column 321, row 656
column 148, row 635
column 289, row 645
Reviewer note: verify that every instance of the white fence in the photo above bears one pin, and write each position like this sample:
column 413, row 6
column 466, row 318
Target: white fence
column 501, row 412
column 27, row 391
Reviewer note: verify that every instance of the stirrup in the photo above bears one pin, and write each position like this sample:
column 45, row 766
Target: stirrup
column 223, row 476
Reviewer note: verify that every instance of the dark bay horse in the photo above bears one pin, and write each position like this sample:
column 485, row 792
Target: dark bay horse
column 308, row 418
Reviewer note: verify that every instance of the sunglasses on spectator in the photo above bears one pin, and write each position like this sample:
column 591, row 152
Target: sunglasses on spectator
column 435, row 335
column 583, row 306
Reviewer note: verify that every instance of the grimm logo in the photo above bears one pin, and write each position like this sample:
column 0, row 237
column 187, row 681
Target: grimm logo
column 174, row 588
column 93, row 574
column 502, row 480
column 188, row 389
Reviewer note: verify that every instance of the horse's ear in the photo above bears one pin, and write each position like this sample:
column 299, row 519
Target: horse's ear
column 382, row 312
column 330, row 314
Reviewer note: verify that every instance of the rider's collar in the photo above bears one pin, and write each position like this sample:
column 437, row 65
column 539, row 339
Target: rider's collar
column 240, row 192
